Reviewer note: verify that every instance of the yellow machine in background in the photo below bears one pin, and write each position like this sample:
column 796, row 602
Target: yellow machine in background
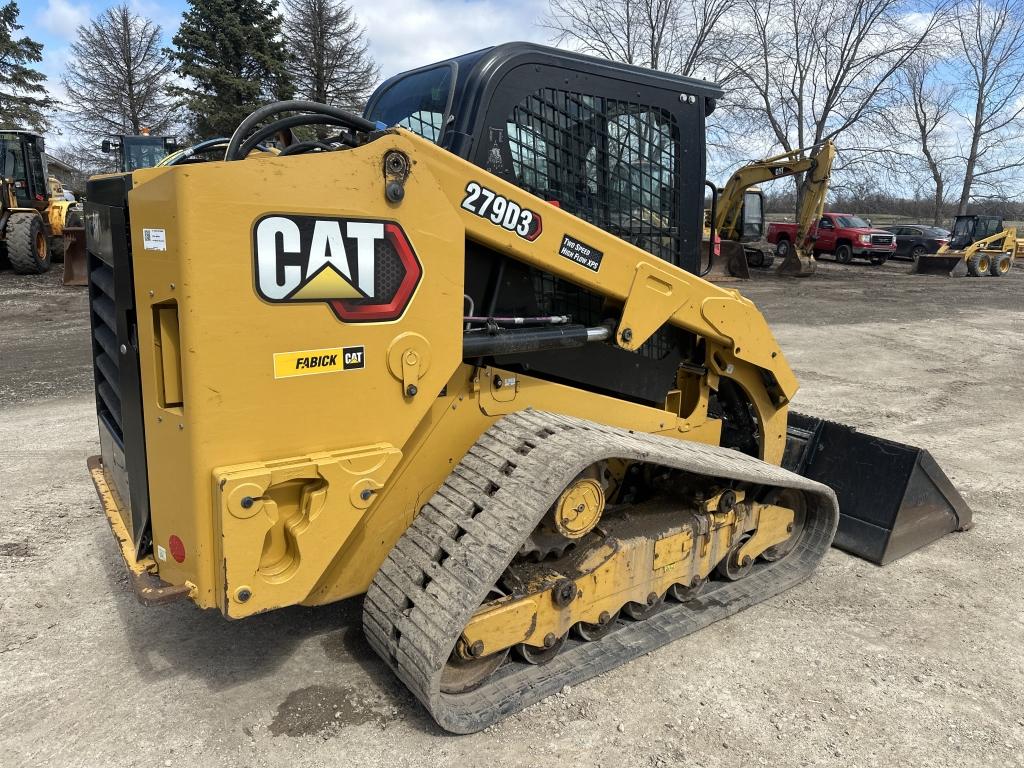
column 740, row 211
column 374, row 365
column 979, row 246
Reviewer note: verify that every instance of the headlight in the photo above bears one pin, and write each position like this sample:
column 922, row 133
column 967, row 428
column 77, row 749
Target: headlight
column 865, row 238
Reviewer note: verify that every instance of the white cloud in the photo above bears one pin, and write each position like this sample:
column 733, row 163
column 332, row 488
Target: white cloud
column 61, row 18
column 404, row 35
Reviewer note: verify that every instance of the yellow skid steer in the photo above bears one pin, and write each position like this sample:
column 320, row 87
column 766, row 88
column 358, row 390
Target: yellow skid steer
column 456, row 358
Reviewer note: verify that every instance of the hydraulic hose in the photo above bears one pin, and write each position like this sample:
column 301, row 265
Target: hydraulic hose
column 355, row 122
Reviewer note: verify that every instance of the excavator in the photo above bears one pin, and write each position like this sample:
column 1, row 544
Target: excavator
column 457, row 358
column 739, row 219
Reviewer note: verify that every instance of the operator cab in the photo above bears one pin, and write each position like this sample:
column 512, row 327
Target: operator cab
column 971, row 228
column 22, row 161
column 618, row 146
column 135, row 152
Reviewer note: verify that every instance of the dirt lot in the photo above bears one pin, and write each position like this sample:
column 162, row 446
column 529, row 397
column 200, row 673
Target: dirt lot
column 918, row 663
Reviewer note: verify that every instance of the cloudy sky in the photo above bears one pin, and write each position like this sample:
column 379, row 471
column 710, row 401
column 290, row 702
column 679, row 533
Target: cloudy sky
column 402, row 33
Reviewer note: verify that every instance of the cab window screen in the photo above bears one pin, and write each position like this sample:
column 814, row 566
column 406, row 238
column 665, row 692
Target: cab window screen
column 417, row 102
column 143, row 152
column 609, row 162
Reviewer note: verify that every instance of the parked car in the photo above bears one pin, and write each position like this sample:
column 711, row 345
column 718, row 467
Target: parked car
column 913, row 240
column 842, row 234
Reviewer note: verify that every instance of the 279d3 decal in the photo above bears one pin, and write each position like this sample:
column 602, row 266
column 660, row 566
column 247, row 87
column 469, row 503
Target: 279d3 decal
column 499, row 210
column 366, row 271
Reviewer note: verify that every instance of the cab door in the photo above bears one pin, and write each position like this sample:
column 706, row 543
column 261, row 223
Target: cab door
column 826, row 240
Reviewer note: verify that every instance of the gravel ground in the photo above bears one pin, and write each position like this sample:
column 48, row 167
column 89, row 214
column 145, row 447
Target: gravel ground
column 917, row 663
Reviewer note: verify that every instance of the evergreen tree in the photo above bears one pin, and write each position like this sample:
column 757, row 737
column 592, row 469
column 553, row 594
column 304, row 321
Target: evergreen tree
column 233, row 56
column 23, row 97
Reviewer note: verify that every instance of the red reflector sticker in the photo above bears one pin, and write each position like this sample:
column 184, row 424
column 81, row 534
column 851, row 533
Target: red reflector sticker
column 177, row 547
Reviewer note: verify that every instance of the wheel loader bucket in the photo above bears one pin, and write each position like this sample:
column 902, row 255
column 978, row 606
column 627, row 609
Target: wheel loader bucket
column 75, row 263
column 946, row 264
column 730, row 263
column 893, row 498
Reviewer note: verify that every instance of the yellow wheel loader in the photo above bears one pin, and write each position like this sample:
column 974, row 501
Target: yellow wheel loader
column 979, row 246
column 456, row 359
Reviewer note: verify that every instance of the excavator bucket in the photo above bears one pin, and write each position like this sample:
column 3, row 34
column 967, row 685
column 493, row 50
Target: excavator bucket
column 949, row 264
column 893, row 498
column 75, row 264
column 730, row 263
column 795, row 265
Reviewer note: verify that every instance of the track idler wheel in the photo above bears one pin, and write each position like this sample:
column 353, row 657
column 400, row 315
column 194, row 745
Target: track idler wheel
column 467, row 668
column 531, row 655
column 731, row 568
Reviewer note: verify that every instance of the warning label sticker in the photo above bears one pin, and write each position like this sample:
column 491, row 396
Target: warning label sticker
column 154, row 239
column 312, row 361
column 582, row 254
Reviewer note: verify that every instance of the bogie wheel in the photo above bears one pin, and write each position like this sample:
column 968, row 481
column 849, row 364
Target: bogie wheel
column 782, row 249
column 684, row 593
column 917, row 252
column 591, row 632
column 1001, row 264
column 531, row 655
column 979, row 264
column 844, row 254
column 28, row 249
column 641, row 611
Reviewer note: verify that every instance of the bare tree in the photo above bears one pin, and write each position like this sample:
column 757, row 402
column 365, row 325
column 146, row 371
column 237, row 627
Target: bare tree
column 120, row 78
column 677, row 36
column 815, row 70
column 991, row 36
column 928, row 101
column 329, row 61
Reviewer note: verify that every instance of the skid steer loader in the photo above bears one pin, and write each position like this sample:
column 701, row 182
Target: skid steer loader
column 979, row 246
column 456, row 358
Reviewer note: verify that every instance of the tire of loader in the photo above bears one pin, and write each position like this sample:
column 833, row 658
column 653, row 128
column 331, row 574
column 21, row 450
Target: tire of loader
column 28, row 248
column 57, row 250
column 979, row 264
column 443, row 566
column 1001, row 264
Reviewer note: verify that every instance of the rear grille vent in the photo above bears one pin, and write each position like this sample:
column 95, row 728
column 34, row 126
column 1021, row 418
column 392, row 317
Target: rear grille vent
column 105, row 347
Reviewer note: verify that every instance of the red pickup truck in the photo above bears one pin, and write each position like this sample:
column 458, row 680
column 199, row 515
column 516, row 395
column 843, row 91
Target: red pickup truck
column 842, row 234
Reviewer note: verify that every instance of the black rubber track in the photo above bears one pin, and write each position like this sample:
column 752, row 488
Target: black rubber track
column 441, row 569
